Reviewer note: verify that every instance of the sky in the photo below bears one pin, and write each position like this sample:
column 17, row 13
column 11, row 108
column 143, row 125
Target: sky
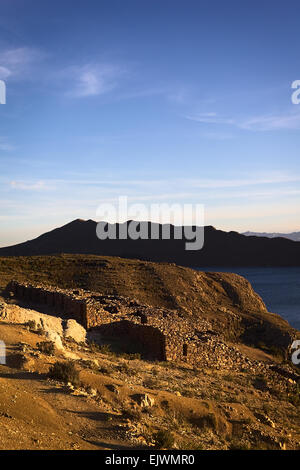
column 177, row 102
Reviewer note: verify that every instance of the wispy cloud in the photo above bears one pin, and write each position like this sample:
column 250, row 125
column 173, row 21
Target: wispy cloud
column 15, row 63
column 31, row 186
column 269, row 122
column 136, row 186
column 4, row 72
column 210, row 118
column 272, row 122
column 275, row 178
column 92, row 79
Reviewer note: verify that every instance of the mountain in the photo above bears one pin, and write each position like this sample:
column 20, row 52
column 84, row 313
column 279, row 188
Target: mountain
column 295, row 236
column 220, row 248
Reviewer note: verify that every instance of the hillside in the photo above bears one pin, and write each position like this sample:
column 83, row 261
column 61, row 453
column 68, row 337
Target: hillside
column 226, row 300
column 117, row 400
column 242, row 393
column 220, row 248
column 122, row 402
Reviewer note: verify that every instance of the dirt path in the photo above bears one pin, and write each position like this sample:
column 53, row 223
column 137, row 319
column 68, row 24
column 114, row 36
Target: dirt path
column 36, row 413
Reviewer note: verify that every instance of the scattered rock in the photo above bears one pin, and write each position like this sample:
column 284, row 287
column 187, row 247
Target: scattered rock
column 265, row 420
column 24, row 347
column 143, row 400
column 112, row 388
column 92, row 391
column 5, row 415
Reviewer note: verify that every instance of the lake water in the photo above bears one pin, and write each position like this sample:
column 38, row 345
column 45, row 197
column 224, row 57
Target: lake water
column 278, row 287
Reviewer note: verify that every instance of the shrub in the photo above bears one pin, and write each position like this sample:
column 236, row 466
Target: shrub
column 31, row 324
column 189, row 445
column 125, row 369
column 294, row 398
column 40, row 331
column 236, row 444
column 65, row 371
column 103, row 348
column 130, row 356
column 106, row 370
column 132, row 413
column 46, row 347
column 165, row 405
column 88, row 364
column 260, row 383
column 150, row 382
column 94, row 347
column 164, row 439
column 205, row 421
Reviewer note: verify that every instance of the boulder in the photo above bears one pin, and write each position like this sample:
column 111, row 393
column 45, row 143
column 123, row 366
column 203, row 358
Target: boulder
column 75, row 331
column 55, row 338
column 69, row 329
column 16, row 314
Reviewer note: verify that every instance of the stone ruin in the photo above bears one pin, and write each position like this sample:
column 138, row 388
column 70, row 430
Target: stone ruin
column 157, row 333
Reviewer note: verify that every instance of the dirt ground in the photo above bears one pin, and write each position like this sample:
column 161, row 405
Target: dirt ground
column 203, row 409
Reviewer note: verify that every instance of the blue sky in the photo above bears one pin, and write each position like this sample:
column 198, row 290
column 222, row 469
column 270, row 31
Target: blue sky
column 162, row 101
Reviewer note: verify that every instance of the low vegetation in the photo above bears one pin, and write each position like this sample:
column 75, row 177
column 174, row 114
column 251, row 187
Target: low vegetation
column 66, row 372
column 46, row 347
column 164, row 439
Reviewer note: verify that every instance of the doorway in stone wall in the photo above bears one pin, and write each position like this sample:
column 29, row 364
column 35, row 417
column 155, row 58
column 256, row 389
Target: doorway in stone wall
column 131, row 338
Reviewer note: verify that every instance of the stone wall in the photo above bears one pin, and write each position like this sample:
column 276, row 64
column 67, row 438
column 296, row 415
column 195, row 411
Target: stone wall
column 64, row 303
column 157, row 333
column 86, row 309
column 145, row 338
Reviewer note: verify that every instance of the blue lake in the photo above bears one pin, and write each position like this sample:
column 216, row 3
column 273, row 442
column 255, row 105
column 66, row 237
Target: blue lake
column 278, row 287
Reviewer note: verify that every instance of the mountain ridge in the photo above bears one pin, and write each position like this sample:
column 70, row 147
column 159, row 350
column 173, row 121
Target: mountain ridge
column 294, row 236
column 220, row 248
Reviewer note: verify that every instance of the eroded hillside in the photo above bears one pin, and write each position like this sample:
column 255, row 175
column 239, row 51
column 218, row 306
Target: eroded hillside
column 226, row 301
column 121, row 401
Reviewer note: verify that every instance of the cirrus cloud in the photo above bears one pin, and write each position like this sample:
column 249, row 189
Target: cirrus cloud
column 264, row 122
column 31, row 186
column 17, row 62
column 92, row 79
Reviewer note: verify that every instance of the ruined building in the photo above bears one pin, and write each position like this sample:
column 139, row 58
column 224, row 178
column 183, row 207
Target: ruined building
column 157, row 333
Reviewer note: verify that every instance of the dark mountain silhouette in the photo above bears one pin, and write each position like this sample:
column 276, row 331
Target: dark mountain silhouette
column 220, row 248
column 295, row 236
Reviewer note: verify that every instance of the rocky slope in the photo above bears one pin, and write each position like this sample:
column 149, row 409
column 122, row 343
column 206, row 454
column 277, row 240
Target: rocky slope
column 243, row 395
column 226, row 301
column 121, row 402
